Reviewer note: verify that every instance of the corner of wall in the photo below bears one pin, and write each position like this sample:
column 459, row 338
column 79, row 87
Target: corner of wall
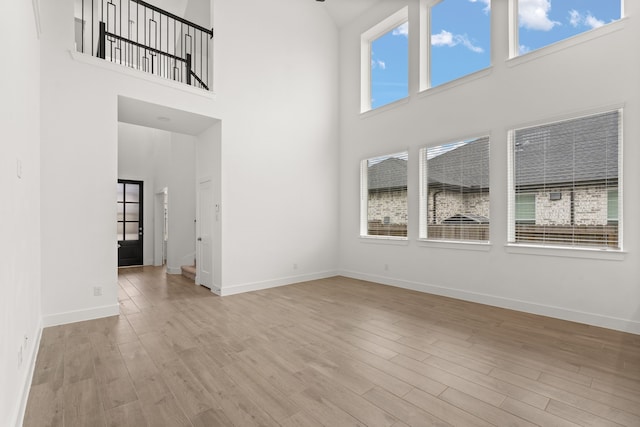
column 28, row 377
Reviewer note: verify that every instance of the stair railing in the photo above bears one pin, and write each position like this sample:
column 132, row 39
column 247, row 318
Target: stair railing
column 139, row 35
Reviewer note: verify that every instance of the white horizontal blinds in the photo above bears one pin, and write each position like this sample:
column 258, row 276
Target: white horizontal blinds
column 565, row 182
column 386, row 192
column 455, row 205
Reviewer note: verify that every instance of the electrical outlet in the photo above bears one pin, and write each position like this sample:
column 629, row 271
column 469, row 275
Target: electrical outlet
column 97, row 291
column 295, row 266
column 20, row 357
column 386, row 267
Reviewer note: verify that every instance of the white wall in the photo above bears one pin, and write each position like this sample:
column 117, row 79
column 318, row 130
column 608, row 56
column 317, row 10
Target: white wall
column 208, row 167
column 20, row 271
column 181, row 248
column 276, row 96
column 276, row 76
column 590, row 76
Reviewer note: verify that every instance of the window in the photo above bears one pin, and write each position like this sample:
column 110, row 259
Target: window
column 612, row 206
column 525, row 208
column 543, row 22
column 460, row 34
column 385, row 62
column 564, row 179
column 454, row 194
column 383, row 198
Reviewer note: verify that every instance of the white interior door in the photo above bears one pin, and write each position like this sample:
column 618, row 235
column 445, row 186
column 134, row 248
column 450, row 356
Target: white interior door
column 205, row 237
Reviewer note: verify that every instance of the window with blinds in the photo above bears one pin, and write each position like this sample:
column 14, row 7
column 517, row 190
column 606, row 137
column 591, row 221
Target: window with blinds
column 454, row 191
column 383, row 196
column 564, row 182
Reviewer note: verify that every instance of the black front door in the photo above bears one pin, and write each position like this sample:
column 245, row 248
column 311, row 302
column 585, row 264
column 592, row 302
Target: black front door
column 130, row 227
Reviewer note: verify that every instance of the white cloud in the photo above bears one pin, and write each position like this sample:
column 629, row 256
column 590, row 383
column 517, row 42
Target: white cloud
column 445, row 38
column 593, row 22
column 467, row 43
column 534, row 15
column 402, row 30
column 522, row 49
column 377, row 63
column 576, row 18
column 487, row 4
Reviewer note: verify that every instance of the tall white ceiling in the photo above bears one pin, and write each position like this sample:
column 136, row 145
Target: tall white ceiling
column 345, row 11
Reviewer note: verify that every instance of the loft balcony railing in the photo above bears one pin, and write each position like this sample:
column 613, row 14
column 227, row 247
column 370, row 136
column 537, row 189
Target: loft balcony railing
column 139, row 35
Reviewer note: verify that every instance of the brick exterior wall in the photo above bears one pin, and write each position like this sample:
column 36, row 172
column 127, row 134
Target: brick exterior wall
column 590, row 207
column 449, row 203
column 392, row 204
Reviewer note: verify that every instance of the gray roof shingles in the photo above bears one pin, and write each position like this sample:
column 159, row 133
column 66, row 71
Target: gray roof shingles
column 388, row 174
column 465, row 167
column 581, row 150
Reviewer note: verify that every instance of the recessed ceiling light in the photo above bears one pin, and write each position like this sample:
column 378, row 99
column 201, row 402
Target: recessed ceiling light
column 163, row 119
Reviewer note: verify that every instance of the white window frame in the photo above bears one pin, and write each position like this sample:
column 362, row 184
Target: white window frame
column 378, row 30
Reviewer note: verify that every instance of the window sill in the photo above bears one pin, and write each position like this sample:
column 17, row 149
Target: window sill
column 566, row 252
column 465, row 245
column 567, row 43
column 383, row 108
column 385, row 240
column 455, row 82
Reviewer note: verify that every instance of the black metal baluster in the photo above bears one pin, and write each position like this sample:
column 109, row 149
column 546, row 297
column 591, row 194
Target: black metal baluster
column 188, row 68
column 101, row 41
column 82, row 29
column 153, row 23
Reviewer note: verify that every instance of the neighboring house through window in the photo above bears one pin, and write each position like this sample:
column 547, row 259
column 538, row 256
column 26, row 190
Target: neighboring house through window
column 526, row 208
column 454, row 195
column 612, row 206
column 564, row 180
column 383, row 198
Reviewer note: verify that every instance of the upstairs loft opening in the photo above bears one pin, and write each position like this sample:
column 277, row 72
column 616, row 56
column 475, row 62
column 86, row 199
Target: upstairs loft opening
column 155, row 38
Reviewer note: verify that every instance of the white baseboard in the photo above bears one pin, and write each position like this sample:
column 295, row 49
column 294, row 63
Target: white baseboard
column 80, row 315
column 28, row 378
column 593, row 319
column 256, row 286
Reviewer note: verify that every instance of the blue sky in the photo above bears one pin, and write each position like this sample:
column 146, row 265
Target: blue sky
column 460, row 39
column 542, row 22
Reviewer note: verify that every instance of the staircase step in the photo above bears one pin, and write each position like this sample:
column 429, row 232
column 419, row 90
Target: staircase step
column 189, row 271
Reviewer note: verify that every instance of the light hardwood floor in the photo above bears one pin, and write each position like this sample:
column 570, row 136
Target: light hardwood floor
column 333, row 352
